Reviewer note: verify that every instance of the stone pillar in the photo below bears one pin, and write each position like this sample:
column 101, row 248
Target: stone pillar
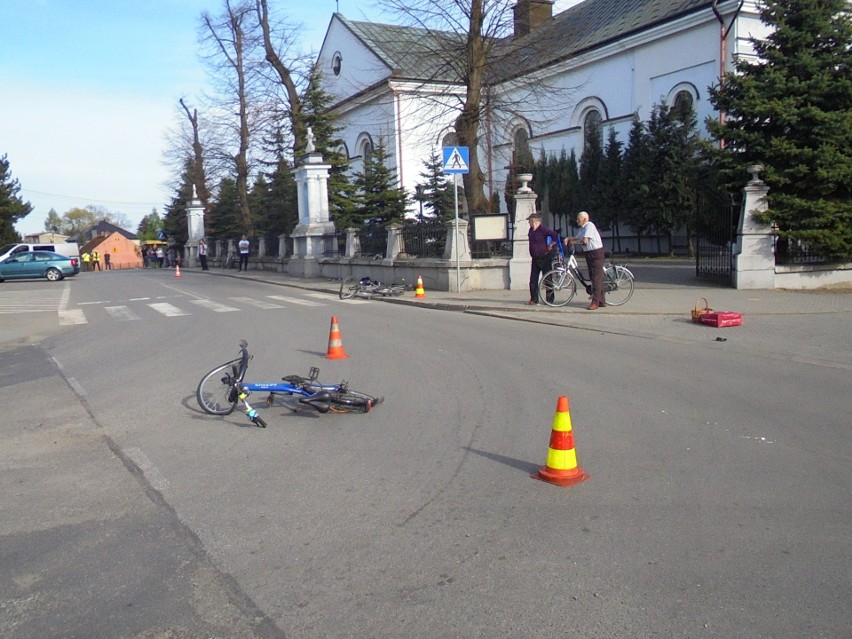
column 195, row 228
column 282, row 246
column 754, row 254
column 314, row 225
column 521, row 262
column 353, row 242
column 396, row 244
column 457, row 248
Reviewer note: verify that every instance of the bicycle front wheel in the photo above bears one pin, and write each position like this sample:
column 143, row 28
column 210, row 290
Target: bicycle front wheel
column 349, row 288
column 618, row 283
column 349, row 401
column 216, row 392
column 557, row 288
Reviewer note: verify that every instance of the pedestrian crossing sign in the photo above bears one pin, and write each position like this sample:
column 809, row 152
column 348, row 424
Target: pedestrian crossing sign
column 456, row 159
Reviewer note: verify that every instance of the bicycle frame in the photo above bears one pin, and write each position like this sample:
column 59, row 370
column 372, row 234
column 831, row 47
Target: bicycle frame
column 224, row 387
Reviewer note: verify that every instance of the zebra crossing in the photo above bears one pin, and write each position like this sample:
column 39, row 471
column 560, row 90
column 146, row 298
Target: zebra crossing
column 140, row 308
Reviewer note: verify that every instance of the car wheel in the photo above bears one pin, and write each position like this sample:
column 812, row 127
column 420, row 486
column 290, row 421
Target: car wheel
column 53, row 275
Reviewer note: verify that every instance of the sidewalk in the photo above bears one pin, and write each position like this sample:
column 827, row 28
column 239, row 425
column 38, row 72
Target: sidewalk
column 802, row 325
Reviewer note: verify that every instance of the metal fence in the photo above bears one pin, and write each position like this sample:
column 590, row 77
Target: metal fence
column 424, row 239
column 789, row 251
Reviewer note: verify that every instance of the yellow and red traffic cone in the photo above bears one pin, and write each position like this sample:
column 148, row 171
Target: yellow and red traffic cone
column 335, row 342
column 561, row 467
column 177, row 270
column 419, row 292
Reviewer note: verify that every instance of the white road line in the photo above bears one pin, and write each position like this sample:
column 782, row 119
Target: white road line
column 149, row 470
column 257, row 303
column 295, row 300
column 210, row 305
column 121, row 313
column 167, row 309
column 72, row 317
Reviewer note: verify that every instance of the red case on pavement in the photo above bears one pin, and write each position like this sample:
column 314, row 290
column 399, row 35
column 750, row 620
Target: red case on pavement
column 721, row 319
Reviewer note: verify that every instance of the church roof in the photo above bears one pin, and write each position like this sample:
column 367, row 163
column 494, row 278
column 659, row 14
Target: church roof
column 422, row 54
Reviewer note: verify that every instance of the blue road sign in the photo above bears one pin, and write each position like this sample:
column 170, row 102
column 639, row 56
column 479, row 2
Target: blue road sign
column 456, row 159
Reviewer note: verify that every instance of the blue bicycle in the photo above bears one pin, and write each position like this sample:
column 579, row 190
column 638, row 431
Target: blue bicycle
column 220, row 390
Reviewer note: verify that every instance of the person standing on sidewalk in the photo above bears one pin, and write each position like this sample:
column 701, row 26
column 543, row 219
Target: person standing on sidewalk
column 593, row 250
column 107, row 261
column 202, row 254
column 244, row 253
column 542, row 241
column 96, row 261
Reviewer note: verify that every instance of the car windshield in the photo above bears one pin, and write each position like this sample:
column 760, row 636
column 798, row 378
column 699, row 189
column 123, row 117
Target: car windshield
column 7, row 248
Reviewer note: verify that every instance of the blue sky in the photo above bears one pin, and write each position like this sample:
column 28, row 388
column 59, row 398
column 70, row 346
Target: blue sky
column 90, row 87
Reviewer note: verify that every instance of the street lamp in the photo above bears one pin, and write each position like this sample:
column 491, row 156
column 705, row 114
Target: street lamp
column 419, row 197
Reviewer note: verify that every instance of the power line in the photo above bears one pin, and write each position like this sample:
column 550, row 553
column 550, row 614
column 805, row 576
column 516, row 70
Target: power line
column 88, row 200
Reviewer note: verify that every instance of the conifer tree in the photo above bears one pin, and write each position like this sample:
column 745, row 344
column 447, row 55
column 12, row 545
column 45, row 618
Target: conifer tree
column 381, row 200
column 611, row 185
column 590, row 169
column 150, row 225
column 791, row 111
column 224, row 221
column 638, row 173
column 12, row 207
column 174, row 218
column 436, row 192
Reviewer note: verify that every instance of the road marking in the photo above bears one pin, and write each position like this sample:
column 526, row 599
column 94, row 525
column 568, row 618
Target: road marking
column 295, row 300
column 253, row 302
column 72, row 317
column 149, row 470
column 167, row 309
column 210, row 305
column 121, row 313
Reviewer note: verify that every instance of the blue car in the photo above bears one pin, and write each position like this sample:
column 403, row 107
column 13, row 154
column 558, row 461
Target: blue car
column 38, row 264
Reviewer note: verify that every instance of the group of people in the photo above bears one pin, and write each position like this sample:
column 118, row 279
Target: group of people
column 92, row 261
column 543, row 241
column 157, row 257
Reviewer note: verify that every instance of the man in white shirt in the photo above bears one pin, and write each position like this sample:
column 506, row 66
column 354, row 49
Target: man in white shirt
column 244, row 253
column 594, row 251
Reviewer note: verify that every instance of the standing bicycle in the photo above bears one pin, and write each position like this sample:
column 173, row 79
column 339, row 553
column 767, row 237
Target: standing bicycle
column 559, row 285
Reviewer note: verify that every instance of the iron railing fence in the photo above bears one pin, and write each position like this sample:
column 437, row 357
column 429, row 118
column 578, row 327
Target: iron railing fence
column 425, row 239
column 789, row 251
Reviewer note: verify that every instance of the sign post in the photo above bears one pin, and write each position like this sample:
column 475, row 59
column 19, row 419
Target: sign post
column 456, row 160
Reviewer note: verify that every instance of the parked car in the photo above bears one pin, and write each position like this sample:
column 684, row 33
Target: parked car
column 37, row 264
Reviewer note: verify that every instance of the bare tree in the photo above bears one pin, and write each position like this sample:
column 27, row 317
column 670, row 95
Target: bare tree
column 484, row 59
column 232, row 43
column 199, row 176
column 286, row 73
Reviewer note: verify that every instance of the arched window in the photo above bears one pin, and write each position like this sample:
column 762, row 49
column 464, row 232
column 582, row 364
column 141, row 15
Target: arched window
column 523, row 159
column 366, row 151
column 682, row 105
column 336, row 62
column 592, row 127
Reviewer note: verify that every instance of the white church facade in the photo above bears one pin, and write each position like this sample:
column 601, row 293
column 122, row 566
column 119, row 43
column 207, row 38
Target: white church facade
column 600, row 61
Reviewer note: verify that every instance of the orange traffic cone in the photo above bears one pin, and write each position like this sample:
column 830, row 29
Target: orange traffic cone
column 561, row 468
column 419, row 292
column 335, row 343
column 177, row 270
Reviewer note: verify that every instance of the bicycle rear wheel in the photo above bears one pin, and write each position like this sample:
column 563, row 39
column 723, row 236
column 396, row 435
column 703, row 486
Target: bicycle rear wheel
column 216, row 393
column 618, row 283
column 348, row 288
column 349, row 401
column 557, row 288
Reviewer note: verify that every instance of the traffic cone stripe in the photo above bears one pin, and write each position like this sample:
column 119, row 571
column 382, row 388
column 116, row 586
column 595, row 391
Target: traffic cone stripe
column 561, row 466
column 562, row 440
column 419, row 292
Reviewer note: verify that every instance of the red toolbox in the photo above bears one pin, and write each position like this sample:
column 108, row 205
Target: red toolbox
column 721, row 319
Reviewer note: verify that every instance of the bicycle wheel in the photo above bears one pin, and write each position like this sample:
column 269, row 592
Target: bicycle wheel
column 216, row 393
column 349, row 288
column 349, row 401
column 618, row 283
column 557, row 288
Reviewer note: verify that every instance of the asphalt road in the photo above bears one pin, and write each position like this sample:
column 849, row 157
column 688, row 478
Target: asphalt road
column 718, row 503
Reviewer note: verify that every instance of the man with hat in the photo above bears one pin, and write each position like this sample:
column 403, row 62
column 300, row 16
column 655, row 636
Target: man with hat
column 542, row 242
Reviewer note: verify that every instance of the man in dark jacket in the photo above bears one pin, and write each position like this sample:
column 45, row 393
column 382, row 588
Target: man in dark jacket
column 542, row 242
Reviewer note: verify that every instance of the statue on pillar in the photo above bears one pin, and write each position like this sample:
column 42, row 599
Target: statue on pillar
column 309, row 147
